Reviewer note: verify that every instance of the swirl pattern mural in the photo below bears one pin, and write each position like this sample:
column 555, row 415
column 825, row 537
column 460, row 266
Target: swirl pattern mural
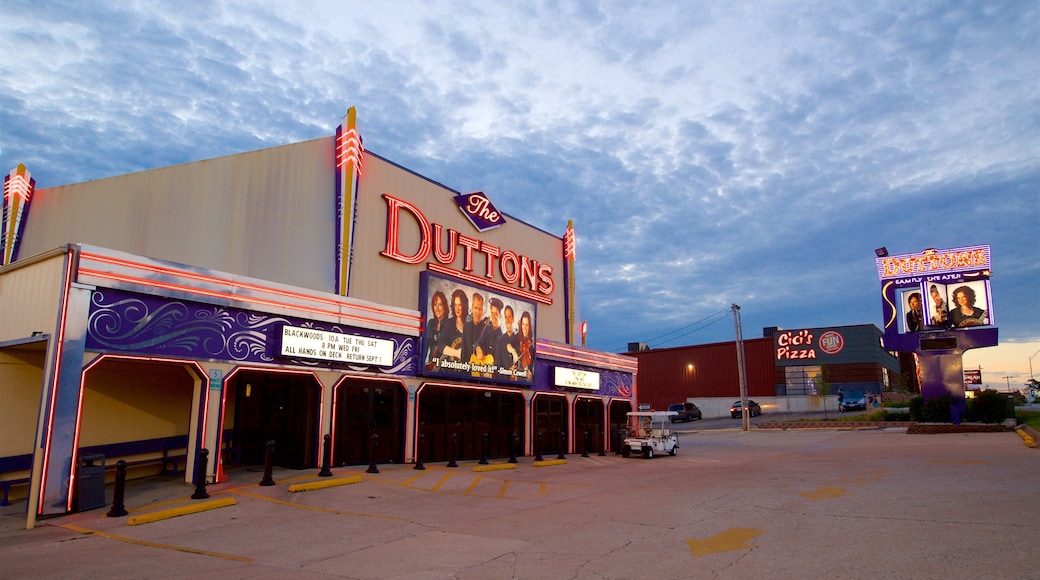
column 142, row 324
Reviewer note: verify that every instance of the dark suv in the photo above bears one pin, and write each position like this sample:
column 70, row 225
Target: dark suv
column 686, row 412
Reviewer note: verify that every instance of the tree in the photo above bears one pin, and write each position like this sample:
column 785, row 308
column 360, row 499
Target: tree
column 823, row 387
column 1033, row 389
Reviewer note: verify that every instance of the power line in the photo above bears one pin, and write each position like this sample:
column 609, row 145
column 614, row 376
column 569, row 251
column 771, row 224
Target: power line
column 721, row 314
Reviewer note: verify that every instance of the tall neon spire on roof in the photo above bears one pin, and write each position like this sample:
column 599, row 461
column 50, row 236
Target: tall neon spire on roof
column 570, row 254
column 18, row 191
column 350, row 154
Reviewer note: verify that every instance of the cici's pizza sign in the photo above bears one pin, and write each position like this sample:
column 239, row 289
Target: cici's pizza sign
column 522, row 275
column 803, row 344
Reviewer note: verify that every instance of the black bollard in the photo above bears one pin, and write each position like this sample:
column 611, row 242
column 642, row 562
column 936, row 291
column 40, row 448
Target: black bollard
column 118, row 509
column 602, row 450
column 201, row 461
column 538, row 447
column 585, row 451
column 484, row 450
column 513, row 437
column 326, row 468
column 374, row 442
column 454, row 450
column 619, row 438
column 418, row 450
column 268, row 452
column 563, row 445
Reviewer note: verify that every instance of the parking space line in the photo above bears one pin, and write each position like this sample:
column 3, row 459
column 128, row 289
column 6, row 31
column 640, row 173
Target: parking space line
column 173, row 547
column 318, row 509
column 473, row 484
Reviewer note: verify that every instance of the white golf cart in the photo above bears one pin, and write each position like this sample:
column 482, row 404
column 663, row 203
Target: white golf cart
column 648, row 434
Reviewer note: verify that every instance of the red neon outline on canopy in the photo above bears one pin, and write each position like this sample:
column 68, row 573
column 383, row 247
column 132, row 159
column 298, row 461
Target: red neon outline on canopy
column 83, row 388
column 245, row 286
column 239, row 297
column 66, row 285
column 565, row 352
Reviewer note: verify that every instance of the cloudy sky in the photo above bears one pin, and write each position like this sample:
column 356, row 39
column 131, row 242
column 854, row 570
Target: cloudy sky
column 710, row 153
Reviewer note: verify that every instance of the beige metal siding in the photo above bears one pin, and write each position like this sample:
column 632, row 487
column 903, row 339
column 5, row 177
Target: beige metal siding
column 29, row 297
column 265, row 214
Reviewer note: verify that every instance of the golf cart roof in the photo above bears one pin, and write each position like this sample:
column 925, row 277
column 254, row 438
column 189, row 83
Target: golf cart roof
column 653, row 414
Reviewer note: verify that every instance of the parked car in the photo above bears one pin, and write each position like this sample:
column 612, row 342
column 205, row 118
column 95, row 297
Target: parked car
column 753, row 409
column 852, row 401
column 684, row 412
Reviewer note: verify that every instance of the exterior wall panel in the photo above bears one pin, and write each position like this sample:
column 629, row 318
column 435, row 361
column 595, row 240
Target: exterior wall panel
column 672, row 375
column 29, row 297
column 265, row 214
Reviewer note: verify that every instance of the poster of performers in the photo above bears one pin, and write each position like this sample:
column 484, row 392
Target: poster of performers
column 474, row 332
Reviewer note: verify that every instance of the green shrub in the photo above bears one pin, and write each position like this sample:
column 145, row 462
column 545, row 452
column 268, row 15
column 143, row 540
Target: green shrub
column 937, row 409
column 916, row 408
column 895, row 416
column 988, row 406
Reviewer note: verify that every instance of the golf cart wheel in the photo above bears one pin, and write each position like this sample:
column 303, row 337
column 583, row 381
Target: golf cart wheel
column 673, row 451
column 626, row 451
column 648, row 453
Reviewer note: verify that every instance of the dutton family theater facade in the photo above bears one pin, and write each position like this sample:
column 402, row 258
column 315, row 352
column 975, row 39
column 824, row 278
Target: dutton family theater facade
column 300, row 294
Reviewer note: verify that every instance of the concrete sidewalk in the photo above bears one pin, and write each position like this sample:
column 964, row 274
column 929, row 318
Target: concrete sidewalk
column 732, row 504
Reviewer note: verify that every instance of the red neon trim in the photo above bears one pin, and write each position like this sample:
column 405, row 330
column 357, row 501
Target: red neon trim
column 67, row 284
column 243, row 285
column 240, row 298
column 571, row 353
column 481, row 281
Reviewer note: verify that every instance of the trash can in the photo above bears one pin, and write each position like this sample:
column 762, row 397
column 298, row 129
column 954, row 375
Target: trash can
column 90, row 478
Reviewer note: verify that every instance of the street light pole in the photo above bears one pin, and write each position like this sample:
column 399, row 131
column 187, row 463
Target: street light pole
column 740, row 370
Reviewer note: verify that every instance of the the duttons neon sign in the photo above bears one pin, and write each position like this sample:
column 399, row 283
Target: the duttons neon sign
column 521, row 274
column 934, row 262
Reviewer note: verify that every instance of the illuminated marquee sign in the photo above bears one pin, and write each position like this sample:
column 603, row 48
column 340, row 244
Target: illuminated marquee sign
column 324, row 345
column 936, row 289
column 575, row 379
column 523, row 276
column 803, row 344
column 479, row 210
column 932, row 263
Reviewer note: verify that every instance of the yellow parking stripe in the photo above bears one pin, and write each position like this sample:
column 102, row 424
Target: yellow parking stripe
column 156, row 545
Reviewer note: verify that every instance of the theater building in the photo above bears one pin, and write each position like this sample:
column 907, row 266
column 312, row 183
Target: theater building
column 782, row 370
column 315, row 295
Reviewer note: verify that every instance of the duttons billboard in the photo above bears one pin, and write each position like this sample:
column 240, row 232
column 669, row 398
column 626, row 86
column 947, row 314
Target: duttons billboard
column 472, row 331
column 936, row 290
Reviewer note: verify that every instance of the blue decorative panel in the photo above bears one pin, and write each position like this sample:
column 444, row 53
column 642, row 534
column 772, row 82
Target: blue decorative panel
column 126, row 322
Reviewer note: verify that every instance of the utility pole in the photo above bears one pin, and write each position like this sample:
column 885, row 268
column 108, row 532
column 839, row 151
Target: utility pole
column 740, row 370
column 1008, row 379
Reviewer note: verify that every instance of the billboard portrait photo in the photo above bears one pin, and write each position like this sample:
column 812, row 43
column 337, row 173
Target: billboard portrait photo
column 475, row 332
column 969, row 304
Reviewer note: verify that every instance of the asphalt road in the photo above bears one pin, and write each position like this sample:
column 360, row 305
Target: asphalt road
column 732, row 504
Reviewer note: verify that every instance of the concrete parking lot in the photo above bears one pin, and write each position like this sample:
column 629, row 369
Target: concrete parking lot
column 732, row 504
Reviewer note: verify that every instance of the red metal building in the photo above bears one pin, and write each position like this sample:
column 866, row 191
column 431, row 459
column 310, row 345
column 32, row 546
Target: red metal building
column 672, row 375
